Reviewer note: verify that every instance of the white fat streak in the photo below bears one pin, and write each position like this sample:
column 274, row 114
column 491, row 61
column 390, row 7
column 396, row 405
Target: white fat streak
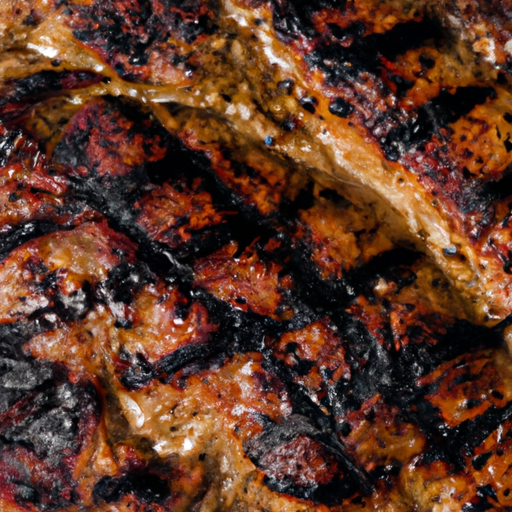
column 490, row 51
column 132, row 411
column 247, row 369
column 164, row 98
column 239, row 19
column 271, row 56
column 245, row 112
column 47, row 51
column 188, row 445
column 231, row 110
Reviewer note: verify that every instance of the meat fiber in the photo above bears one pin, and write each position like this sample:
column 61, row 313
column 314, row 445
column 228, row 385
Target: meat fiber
column 209, row 295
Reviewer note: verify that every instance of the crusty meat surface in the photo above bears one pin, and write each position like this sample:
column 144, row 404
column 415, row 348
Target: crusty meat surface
column 228, row 348
column 203, row 303
column 387, row 95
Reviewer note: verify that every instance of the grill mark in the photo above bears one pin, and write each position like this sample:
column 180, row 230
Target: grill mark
column 438, row 113
column 404, row 37
column 498, row 190
column 127, row 38
column 142, row 373
column 22, row 233
column 454, row 444
column 365, row 53
column 23, row 93
column 384, row 265
column 148, row 488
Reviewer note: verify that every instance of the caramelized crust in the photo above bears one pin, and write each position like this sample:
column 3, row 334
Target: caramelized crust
column 189, row 322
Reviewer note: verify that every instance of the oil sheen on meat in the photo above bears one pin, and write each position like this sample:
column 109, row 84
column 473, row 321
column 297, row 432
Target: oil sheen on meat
column 250, row 256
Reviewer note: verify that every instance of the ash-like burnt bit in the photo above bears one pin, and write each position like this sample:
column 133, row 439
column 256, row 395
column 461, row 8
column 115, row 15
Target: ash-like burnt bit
column 146, row 488
column 47, row 423
column 295, row 461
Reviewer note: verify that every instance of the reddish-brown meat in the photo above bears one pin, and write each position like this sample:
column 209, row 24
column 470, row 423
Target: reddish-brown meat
column 190, row 319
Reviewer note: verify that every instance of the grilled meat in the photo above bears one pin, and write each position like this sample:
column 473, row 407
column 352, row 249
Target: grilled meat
column 204, row 306
column 381, row 95
column 224, row 349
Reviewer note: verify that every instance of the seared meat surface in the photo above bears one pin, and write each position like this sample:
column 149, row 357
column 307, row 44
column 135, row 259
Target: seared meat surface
column 387, row 95
column 209, row 295
column 228, row 342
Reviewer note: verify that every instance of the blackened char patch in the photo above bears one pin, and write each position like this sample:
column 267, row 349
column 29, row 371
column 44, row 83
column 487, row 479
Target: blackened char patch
column 127, row 36
column 298, row 460
column 392, row 265
column 500, row 189
column 48, row 423
column 17, row 377
column 147, row 488
column 438, row 113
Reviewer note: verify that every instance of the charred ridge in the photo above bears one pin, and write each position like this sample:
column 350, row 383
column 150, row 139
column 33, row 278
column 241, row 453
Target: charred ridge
column 371, row 364
column 21, row 233
column 392, row 266
column 269, row 450
column 126, row 38
column 140, row 372
column 25, row 92
column 116, row 196
column 120, row 214
column 147, row 488
column 334, row 292
column 241, row 331
column 293, row 21
column 454, row 444
column 323, row 427
column 365, row 52
column 498, row 190
column 444, row 109
column 312, row 420
column 461, row 337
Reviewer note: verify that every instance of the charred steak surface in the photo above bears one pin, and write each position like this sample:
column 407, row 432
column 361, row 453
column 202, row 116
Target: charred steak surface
column 209, row 295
